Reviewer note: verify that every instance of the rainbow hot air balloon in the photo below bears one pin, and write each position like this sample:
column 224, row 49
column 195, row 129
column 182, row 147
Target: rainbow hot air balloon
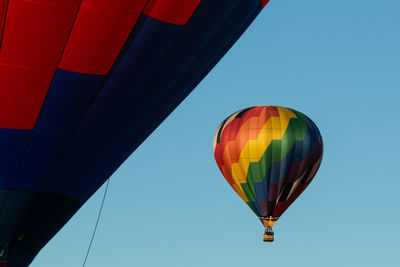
column 269, row 155
column 82, row 85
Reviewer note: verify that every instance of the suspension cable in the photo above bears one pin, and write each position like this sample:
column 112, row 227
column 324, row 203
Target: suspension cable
column 97, row 222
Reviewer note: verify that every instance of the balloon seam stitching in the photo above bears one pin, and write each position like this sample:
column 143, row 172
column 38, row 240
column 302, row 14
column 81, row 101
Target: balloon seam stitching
column 47, row 178
column 223, row 51
column 4, row 24
column 31, row 133
column 130, row 104
column 120, row 116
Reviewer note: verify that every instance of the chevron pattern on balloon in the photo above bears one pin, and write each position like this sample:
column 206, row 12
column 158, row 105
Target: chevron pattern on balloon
column 267, row 154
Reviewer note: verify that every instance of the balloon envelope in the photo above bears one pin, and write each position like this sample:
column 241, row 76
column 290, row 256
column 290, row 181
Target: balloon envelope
column 269, row 155
column 82, row 84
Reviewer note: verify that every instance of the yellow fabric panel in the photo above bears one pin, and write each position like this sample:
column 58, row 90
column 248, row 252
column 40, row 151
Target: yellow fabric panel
column 253, row 150
column 232, row 150
column 240, row 192
column 237, row 173
column 273, row 129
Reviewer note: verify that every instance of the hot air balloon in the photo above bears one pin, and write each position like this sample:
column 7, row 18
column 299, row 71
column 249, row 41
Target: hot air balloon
column 268, row 155
column 82, row 85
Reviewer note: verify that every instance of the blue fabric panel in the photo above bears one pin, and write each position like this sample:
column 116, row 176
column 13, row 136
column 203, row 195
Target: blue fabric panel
column 203, row 25
column 256, row 207
column 12, row 146
column 151, row 42
column 68, row 99
column 38, row 159
column 3, row 195
column 261, row 190
column 299, row 151
column 226, row 36
column 37, row 216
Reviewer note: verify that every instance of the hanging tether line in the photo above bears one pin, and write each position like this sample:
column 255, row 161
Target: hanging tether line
column 97, row 222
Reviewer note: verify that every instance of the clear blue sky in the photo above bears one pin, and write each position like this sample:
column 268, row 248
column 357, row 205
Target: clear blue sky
column 169, row 206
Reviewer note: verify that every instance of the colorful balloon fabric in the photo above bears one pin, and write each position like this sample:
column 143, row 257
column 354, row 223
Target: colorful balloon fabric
column 269, row 155
column 82, row 84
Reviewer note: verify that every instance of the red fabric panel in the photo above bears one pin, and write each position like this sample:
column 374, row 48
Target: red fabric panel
column 36, row 31
column 99, row 33
column 171, row 11
column 22, row 92
column 3, row 10
column 34, row 38
column 232, row 129
column 264, row 3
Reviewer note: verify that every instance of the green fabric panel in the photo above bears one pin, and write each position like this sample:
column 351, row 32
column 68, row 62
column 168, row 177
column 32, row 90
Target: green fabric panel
column 275, row 152
column 253, row 173
column 249, row 191
column 252, row 208
column 264, row 163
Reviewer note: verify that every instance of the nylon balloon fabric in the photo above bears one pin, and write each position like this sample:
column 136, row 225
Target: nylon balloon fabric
column 82, row 84
column 269, row 155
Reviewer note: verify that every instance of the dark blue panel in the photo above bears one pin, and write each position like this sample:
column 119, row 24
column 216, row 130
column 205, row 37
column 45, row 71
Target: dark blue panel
column 93, row 176
column 12, row 145
column 38, row 160
column 12, row 211
column 150, row 43
column 203, row 25
column 28, row 220
column 67, row 101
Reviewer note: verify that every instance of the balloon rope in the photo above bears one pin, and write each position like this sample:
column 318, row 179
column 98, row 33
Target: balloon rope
column 97, row 223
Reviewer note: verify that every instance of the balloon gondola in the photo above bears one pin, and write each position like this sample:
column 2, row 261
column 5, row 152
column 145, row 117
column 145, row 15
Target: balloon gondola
column 268, row 155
